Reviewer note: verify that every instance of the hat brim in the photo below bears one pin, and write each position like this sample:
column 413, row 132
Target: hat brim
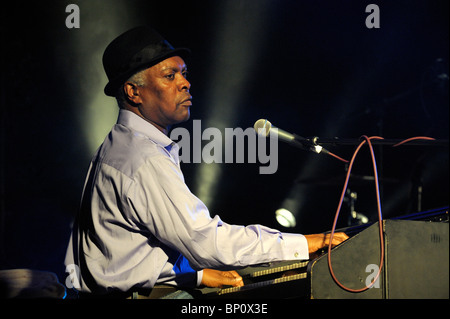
column 114, row 84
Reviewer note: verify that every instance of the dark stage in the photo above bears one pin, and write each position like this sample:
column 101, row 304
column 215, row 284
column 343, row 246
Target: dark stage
column 314, row 68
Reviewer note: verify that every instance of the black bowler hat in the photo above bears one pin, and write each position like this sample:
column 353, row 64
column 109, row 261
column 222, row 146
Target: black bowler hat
column 135, row 50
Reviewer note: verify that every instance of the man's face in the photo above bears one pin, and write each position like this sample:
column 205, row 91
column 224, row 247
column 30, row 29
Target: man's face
column 165, row 98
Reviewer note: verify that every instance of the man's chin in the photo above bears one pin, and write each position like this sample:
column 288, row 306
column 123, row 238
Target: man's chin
column 181, row 119
column 186, row 117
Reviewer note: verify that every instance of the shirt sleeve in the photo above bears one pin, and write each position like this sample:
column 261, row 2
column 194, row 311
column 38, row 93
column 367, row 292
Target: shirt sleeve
column 181, row 274
column 162, row 202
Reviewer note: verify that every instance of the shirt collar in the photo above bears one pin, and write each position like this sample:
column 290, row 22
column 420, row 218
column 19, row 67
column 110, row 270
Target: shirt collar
column 137, row 123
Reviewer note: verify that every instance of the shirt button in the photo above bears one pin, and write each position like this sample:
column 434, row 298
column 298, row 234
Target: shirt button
column 296, row 255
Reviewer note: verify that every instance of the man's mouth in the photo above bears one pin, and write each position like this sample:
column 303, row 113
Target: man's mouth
column 187, row 101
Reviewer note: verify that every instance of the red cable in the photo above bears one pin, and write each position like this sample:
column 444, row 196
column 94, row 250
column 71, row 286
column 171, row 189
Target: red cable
column 380, row 218
column 414, row 138
column 339, row 158
column 398, row 144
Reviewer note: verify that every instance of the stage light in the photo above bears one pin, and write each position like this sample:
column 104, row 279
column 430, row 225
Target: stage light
column 238, row 37
column 285, row 218
column 97, row 112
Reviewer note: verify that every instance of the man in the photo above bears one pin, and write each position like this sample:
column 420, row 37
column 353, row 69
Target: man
column 139, row 225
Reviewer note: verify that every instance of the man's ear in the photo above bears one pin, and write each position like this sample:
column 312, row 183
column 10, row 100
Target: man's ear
column 131, row 92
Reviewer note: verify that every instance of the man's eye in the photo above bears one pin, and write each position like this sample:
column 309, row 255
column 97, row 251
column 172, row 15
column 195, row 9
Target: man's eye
column 185, row 74
column 170, row 76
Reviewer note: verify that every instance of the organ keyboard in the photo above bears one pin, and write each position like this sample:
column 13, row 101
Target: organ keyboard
column 411, row 247
column 276, row 279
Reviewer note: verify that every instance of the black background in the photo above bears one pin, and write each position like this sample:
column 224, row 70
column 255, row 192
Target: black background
column 317, row 71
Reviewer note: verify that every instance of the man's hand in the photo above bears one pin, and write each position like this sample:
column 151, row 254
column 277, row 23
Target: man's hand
column 319, row 241
column 218, row 279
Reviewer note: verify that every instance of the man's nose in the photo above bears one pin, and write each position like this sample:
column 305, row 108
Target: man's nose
column 184, row 84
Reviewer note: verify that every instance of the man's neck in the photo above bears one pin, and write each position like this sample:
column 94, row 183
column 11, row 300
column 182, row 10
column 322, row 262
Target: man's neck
column 162, row 128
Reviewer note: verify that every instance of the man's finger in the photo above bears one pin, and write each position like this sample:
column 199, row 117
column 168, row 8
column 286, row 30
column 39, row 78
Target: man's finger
column 237, row 279
column 338, row 238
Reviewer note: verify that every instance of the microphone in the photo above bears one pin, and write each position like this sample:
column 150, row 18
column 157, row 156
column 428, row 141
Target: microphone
column 264, row 128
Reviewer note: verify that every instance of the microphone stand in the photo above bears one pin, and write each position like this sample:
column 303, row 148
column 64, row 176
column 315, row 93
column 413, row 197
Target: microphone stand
column 335, row 141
